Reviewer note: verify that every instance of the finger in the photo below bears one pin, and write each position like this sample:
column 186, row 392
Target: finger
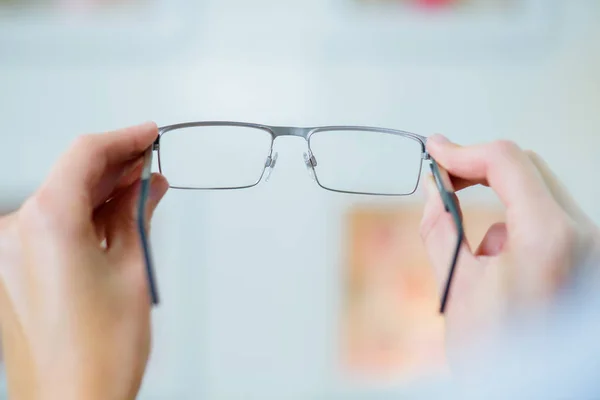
column 128, row 179
column 493, row 242
column 111, row 187
column 120, row 215
column 556, row 187
column 439, row 234
column 505, row 167
column 130, row 175
column 80, row 177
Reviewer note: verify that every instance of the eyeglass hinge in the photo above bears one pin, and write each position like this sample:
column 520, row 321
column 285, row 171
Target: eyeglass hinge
column 156, row 144
column 426, row 156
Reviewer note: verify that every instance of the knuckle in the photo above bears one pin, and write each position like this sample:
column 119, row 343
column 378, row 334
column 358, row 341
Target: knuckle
column 38, row 211
column 506, row 148
column 567, row 233
column 85, row 144
column 533, row 156
column 84, row 141
column 557, row 239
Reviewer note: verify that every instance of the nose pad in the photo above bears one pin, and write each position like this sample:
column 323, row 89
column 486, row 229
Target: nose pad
column 270, row 164
column 310, row 162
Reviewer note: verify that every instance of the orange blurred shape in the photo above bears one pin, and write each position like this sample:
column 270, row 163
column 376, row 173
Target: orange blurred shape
column 392, row 328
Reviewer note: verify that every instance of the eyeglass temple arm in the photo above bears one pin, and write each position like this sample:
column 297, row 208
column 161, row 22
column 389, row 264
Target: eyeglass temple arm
column 141, row 220
column 451, row 206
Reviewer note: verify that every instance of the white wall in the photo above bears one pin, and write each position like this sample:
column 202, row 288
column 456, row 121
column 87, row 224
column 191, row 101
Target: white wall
column 249, row 279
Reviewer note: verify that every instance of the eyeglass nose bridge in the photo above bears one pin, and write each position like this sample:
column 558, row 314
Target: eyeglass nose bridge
column 279, row 131
column 290, row 131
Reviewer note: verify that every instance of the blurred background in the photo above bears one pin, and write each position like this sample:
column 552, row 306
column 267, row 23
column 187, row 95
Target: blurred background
column 259, row 286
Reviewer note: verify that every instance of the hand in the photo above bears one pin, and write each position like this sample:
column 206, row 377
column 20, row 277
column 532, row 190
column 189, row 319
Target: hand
column 74, row 303
column 521, row 264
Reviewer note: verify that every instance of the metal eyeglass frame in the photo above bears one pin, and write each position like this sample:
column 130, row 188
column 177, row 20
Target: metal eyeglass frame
column 441, row 179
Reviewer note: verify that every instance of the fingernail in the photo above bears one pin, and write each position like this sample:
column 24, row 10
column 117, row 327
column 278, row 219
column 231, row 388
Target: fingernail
column 439, row 139
column 144, row 126
column 158, row 188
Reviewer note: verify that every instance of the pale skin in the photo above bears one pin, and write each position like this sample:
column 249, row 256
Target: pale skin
column 520, row 265
column 75, row 313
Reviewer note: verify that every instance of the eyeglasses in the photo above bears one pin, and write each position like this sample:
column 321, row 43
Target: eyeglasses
column 347, row 159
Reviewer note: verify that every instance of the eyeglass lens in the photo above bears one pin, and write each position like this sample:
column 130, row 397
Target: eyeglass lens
column 354, row 161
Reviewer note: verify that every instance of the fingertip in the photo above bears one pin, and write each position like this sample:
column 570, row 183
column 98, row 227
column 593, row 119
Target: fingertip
column 146, row 131
column 436, row 143
column 438, row 139
column 158, row 187
column 148, row 125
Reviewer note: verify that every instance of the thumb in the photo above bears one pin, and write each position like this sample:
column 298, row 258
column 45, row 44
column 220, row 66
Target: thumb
column 439, row 235
column 122, row 226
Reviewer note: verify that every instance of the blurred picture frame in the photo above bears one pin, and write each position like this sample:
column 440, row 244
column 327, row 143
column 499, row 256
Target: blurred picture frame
column 390, row 326
column 75, row 31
